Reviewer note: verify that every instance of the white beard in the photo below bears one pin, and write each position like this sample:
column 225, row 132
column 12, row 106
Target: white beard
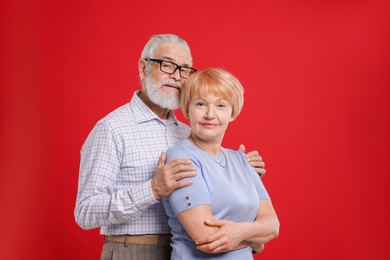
column 168, row 100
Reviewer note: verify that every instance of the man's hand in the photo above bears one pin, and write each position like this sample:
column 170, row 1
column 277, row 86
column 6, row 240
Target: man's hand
column 228, row 237
column 166, row 177
column 257, row 248
column 255, row 160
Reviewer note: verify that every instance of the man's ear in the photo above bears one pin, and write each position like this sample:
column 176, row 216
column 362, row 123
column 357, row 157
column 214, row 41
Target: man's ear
column 142, row 69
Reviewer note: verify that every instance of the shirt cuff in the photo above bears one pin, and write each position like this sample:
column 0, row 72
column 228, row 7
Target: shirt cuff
column 143, row 196
column 151, row 191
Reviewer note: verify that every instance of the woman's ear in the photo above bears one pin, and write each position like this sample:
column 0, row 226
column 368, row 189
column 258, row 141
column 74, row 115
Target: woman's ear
column 232, row 118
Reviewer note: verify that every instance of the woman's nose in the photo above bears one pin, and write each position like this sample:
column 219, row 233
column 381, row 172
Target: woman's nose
column 210, row 113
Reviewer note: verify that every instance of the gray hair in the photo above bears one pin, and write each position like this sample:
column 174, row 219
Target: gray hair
column 156, row 40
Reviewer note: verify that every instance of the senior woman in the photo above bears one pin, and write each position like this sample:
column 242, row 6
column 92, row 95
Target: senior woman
column 225, row 186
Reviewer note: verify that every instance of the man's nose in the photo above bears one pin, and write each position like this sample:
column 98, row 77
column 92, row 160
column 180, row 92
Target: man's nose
column 175, row 75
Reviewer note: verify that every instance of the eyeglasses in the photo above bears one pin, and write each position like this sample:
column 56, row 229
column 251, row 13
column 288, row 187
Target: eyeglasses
column 170, row 68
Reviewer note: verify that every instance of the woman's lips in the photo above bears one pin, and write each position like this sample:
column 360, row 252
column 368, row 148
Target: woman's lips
column 208, row 125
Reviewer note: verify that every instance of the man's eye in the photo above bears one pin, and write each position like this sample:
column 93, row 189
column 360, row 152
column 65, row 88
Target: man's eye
column 185, row 70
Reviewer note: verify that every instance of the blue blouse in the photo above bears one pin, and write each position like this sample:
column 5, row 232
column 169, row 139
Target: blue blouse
column 227, row 182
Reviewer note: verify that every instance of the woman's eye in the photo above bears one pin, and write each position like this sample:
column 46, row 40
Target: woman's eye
column 200, row 104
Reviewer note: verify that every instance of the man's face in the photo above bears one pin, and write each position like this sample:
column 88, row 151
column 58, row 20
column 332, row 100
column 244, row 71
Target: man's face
column 161, row 88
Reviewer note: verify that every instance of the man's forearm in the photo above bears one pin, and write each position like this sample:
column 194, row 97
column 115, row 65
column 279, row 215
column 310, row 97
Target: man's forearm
column 105, row 209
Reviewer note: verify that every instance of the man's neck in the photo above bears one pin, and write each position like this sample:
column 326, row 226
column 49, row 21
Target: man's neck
column 162, row 113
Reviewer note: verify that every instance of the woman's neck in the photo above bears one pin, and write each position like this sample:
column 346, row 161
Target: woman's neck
column 210, row 147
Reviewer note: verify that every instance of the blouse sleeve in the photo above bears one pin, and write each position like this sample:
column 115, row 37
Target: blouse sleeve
column 190, row 196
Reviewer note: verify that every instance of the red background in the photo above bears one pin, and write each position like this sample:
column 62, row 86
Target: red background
column 316, row 76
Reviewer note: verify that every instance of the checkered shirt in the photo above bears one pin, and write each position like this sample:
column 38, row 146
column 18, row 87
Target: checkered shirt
column 118, row 160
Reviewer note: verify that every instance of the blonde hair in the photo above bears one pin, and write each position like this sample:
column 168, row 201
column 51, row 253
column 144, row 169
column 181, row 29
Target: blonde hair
column 213, row 81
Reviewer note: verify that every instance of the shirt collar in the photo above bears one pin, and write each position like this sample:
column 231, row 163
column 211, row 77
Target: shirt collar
column 142, row 113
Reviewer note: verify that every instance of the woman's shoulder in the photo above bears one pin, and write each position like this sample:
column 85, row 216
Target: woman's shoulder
column 182, row 149
column 181, row 145
column 234, row 154
column 237, row 157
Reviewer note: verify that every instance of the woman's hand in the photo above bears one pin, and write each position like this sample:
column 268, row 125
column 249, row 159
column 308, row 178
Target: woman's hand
column 228, row 237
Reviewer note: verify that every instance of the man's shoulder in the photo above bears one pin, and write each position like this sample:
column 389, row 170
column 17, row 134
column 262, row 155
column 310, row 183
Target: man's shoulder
column 119, row 116
column 184, row 126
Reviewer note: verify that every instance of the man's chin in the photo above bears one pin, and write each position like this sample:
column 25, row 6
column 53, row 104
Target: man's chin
column 172, row 105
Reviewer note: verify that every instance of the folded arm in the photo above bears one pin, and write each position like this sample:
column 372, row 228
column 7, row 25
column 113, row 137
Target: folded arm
column 214, row 238
column 232, row 235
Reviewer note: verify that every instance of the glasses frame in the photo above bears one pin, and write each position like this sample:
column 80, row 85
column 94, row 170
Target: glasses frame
column 159, row 61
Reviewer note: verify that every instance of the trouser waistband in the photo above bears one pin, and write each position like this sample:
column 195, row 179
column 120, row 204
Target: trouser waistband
column 139, row 239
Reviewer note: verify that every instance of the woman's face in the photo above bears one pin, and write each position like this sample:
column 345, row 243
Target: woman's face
column 209, row 117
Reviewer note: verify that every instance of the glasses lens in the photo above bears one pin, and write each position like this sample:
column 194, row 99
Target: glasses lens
column 168, row 67
column 187, row 72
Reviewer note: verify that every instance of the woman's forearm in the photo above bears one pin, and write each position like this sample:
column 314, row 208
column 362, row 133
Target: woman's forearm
column 193, row 221
column 265, row 227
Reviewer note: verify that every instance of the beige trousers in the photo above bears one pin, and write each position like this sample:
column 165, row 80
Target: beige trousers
column 118, row 251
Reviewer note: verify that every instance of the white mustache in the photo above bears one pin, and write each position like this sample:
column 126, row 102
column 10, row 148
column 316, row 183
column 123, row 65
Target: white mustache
column 172, row 83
